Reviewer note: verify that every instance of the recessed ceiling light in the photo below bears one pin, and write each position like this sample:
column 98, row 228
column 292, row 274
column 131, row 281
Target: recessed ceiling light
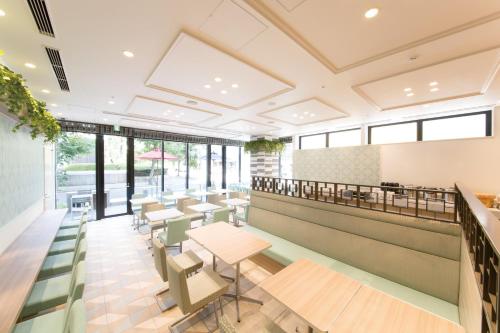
column 105, row 119
column 433, row 83
column 2, row 13
column 235, row 85
column 128, row 54
column 295, row 115
column 371, row 13
column 434, row 89
column 223, row 92
column 312, row 115
column 301, row 117
column 207, row 86
column 407, row 89
column 46, row 91
column 217, row 79
column 182, row 113
column 30, row 65
column 177, row 116
column 426, row 105
column 53, row 105
column 410, row 94
column 111, row 102
column 306, row 112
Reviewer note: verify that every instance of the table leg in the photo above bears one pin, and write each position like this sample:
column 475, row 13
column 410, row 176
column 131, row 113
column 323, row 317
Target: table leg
column 214, row 266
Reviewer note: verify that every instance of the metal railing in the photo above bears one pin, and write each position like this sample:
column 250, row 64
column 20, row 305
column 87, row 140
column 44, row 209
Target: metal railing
column 418, row 202
column 481, row 230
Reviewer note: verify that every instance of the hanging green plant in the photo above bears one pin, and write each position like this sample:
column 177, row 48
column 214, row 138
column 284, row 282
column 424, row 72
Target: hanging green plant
column 263, row 145
column 29, row 111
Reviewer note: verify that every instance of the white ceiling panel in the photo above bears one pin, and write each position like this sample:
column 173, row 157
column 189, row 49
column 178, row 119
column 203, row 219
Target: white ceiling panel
column 249, row 127
column 232, row 25
column 197, row 70
column 304, row 112
column 467, row 76
column 290, row 5
column 165, row 111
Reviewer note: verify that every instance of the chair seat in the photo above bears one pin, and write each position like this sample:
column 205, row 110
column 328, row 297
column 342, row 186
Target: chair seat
column 52, row 322
column 69, row 225
column 205, row 287
column 57, row 264
column 47, row 294
column 62, row 247
column 66, row 234
column 189, row 261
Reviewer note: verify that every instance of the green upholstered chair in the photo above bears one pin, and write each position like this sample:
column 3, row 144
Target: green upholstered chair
column 175, row 233
column 67, row 234
column 157, row 224
column 75, row 224
column 219, row 215
column 195, row 292
column 167, row 203
column 67, row 245
column 242, row 216
column 55, row 291
column 62, row 263
column 71, row 319
column 188, row 260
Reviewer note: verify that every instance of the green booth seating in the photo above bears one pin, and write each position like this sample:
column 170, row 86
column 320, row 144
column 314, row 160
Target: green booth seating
column 62, row 263
column 69, row 233
column 55, row 291
column 67, row 245
column 69, row 320
column 74, row 224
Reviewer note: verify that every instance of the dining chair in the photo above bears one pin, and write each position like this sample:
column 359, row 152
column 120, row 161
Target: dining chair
column 219, row 215
column 195, row 292
column 188, row 260
column 136, row 209
column 167, row 203
column 55, row 291
column 156, row 224
column 189, row 202
column 216, row 198
column 175, row 233
column 242, row 216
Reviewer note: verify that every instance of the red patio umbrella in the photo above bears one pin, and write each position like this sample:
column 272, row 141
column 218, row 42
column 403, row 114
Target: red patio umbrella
column 155, row 154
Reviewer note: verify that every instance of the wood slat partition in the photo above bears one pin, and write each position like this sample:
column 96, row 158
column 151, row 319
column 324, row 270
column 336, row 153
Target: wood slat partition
column 21, row 262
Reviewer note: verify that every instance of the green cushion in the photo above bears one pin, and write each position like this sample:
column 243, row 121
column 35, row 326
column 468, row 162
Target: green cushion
column 69, row 225
column 57, row 264
column 62, row 247
column 52, row 322
column 47, row 294
column 286, row 252
column 66, row 234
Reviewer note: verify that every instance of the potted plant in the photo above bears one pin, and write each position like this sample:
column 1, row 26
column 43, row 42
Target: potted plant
column 263, row 145
column 30, row 112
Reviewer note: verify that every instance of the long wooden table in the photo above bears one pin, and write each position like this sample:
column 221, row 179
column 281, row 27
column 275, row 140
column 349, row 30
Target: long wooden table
column 21, row 263
column 333, row 302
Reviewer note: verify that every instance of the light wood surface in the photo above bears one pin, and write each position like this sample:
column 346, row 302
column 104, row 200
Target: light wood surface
column 235, row 202
column 21, row 262
column 164, row 214
column 142, row 201
column 373, row 311
column 228, row 243
column 204, row 207
column 175, row 196
column 315, row 293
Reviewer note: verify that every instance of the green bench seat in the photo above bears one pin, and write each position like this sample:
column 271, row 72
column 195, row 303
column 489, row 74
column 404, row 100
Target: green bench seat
column 67, row 245
column 67, row 234
column 62, row 263
column 286, row 252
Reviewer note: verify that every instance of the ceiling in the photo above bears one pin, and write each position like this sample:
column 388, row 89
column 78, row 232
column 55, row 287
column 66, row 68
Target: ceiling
column 236, row 68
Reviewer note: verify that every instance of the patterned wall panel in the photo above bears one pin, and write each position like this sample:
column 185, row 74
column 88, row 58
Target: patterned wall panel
column 21, row 170
column 354, row 165
column 262, row 164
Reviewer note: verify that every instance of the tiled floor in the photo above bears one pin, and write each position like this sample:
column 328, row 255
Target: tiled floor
column 122, row 281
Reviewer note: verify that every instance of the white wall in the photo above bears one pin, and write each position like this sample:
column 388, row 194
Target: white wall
column 475, row 162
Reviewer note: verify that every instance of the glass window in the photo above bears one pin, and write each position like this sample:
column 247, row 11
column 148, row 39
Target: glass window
column 197, row 166
column 246, row 178
column 75, row 173
column 232, row 165
column 286, row 161
column 473, row 126
column 175, row 166
column 313, row 141
column 147, row 167
column 406, row 132
column 115, row 175
column 216, row 166
column 345, row 138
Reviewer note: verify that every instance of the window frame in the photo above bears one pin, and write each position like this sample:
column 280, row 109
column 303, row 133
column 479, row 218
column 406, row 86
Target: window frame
column 327, row 136
column 488, row 125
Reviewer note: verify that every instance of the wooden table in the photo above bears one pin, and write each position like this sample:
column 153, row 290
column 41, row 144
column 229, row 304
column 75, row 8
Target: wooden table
column 373, row 311
column 231, row 245
column 235, row 202
column 164, row 214
column 221, row 191
column 175, row 196
column 20, row 264
column 142, row 201
column 313, row 292
column 333, row 302
column 204, row 208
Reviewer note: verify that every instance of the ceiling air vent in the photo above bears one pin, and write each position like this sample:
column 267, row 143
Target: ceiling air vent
column 55, row 60
column 41, row 16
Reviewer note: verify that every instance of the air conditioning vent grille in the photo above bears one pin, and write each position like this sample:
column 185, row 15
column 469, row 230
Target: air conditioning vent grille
column 41, row 16
column 55, row 60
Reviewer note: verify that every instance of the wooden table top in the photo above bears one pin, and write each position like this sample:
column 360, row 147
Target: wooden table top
column 204, row 207
column 176, row 196
column 141, row 201
column 228, row 243
column 314, row 292
column 21, row 262
column 164, row 214
column 235, row 202
column 373, row 311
